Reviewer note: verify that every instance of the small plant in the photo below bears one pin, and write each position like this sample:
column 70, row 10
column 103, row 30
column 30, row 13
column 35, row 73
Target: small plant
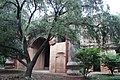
column 2, row 61
column 111, row 61
column 89, row 57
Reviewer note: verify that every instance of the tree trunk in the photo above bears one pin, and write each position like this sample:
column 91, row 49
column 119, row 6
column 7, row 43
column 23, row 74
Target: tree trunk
column 96, row 66
column 84, row 72
column 111, row 69
column 28, row 72
column 27, row 57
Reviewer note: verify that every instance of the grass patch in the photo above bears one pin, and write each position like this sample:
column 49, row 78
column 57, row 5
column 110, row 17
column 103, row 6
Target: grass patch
column 10, row 71
column 105, row 77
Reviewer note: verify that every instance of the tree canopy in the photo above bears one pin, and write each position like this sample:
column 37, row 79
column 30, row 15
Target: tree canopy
column 22, row 20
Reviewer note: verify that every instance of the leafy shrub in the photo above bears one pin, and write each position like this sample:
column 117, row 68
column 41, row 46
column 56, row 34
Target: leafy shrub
column 89, row 57
column 111, row 61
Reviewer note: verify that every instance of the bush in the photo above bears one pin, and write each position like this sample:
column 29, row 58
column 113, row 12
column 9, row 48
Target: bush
column 111, row 61
column 89, row 57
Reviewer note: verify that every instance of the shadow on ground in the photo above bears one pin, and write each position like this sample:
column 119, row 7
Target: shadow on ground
column 18, row 75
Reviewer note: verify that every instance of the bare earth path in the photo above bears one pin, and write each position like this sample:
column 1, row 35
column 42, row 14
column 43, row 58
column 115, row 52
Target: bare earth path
column 18, row 75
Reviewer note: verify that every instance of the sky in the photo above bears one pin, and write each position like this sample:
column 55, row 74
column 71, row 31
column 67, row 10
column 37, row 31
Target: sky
column 114, row 6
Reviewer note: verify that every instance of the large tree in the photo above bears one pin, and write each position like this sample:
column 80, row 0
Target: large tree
column 20, row 20
column 103, row 28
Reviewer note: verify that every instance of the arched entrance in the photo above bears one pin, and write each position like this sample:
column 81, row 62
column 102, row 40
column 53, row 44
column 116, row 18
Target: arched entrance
column 43, row 60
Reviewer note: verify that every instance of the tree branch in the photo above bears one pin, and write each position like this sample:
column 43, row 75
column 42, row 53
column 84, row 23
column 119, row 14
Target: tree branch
column 17, row 3
column 22, row 4
column 52, row 6
column 25, row 50
column 40, row 50
column 8, row 2
column 20, row 60
column 29, row 8
column 60, row 11
column 31, row 15
column 15, row 49
column 19, row 9
column 87, row 24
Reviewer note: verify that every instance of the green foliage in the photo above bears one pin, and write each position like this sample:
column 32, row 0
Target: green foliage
column 91, row 7
column 111, row 61
column 2, row 61
column 67, row 12
column 20, row 21
column 105, row 77
column 102, row 27
column 89, row 57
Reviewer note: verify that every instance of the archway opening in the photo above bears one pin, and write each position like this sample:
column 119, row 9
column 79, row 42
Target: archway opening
column 43, row 60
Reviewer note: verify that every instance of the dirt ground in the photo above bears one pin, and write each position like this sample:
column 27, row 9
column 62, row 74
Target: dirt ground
column 18, row 75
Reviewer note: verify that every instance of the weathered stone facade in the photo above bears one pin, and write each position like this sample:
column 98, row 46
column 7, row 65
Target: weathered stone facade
column 58, row 57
